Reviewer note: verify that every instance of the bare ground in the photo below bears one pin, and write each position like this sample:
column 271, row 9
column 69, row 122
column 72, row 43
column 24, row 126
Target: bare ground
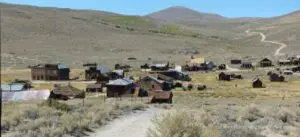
column 132, row 125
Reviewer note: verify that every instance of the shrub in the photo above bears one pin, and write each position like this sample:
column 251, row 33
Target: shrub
column 180, row 124
column 190, row 87
column 56, row 104
column 250, row 113
column 177, row 85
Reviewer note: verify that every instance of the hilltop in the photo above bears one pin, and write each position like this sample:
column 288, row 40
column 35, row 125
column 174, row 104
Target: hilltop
column 33, row 35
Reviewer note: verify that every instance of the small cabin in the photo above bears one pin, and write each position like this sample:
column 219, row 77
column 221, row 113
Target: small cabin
column 97, row 87
column 284, row 62
column 152, row 83
column 257, row 83
column 235, row 61
column 246, row 65
column 265, row 63
column 120, row 87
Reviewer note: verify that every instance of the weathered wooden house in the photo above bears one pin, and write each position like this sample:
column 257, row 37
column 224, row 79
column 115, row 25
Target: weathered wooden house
column 257, row 83
column 288, row 72
column 124, row 67
column 159, row 67
column 65, row 92
column 96, row 72
column 120, row 87
column 236, row 61
column 160, row 96
column 273, row 77
column 96, row 87
column 284, row 62
column 265, row 63
column 296, row 69
column 150, row 83
column 50, row 72
column 224, row 77
column 145, row 66
column 246, row 65
column 177, row 75
column 222, row 67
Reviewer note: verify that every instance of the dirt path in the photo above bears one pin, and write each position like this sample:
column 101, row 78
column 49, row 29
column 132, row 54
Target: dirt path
column 132, row 125
column 263, row 39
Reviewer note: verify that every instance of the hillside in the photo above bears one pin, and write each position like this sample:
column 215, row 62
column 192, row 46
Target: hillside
column 33, row 35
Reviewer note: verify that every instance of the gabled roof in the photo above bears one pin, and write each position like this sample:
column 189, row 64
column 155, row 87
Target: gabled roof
column 265, row 59
column 154, row 79
column 120, row 82
column 66, row 90
column 12, row 87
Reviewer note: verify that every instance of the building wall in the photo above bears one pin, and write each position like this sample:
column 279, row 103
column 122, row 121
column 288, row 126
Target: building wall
column 117, row 91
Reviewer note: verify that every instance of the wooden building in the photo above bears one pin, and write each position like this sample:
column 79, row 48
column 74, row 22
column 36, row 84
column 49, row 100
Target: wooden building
column 96, row 72
column 265, row 63
column 236, row 61
column 273, row 77
column 50, row 72
column 120, row 87
column 177, row 75
column 160, row 96
column 246, row 65
column 296, row 69
column 284, row 62
column 257, row 83
column 97, row 87
column 150, row 83
column 65, row 92
column 159, row 67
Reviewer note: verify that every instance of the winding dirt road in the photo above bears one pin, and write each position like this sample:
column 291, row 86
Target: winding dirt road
column 263, row 39
column 131, row 125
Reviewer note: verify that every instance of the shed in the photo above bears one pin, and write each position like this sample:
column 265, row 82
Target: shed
column 177, row 75
column 236, row 61
column 275, row 77
column 284, row 62
column 160, row 96
column 94, row 87
column 296, row 69
column 265, row 63
column 257, row 83
column 246, row 65
column 288, row 72
column 65, row 92
column 120, row 87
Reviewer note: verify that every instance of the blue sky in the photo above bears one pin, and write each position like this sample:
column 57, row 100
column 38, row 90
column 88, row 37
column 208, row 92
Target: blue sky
column 228, row 8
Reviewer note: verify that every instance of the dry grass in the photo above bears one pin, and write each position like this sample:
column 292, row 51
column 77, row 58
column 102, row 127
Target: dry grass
column 217, row 121
column 36, row 118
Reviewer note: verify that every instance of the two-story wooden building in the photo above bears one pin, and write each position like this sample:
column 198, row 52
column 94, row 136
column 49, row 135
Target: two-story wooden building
column 50, row 72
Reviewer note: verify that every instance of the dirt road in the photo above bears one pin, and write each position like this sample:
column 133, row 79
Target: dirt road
column 263, row 39
column 131, row 125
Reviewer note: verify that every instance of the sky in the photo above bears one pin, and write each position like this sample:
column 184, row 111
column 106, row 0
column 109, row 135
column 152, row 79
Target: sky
column 228, row 8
